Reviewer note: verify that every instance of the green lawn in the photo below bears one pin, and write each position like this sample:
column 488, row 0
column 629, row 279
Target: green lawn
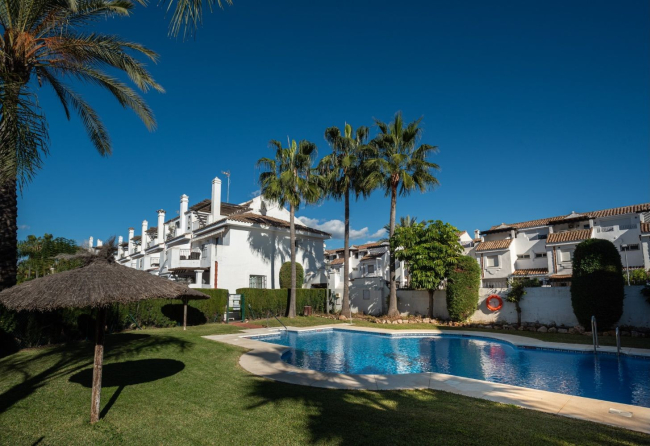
column 166, row 386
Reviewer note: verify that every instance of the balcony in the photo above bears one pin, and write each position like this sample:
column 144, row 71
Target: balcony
column 154, row 262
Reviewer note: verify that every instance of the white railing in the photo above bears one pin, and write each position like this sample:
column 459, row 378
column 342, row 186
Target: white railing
column 624, row 227
column 155, row 261
column 606, row 229
column 189, row 254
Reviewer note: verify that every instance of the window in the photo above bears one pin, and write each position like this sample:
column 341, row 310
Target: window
column 356, row 255
column 371, row 269
column 565, row 256
column 630, row 247
column 257, row 282
column 523, row 256
column 540, row 255
column 492, row 261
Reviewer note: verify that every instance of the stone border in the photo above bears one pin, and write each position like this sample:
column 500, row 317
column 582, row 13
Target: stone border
column 265, row 359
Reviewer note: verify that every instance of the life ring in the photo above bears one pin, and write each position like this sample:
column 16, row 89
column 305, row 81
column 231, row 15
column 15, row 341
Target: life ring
column 493, row 308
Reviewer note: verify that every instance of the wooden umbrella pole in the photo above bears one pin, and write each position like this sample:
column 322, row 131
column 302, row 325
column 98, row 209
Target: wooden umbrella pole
column 185, row 314
column 97, row 366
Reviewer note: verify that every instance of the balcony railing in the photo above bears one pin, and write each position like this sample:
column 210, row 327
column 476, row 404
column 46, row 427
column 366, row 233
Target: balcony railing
column 155, row 261
column 189, row 254
column 606, row 229
column 624, row 227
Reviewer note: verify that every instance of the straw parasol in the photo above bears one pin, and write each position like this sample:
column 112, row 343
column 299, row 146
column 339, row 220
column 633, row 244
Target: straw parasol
column 99, row 283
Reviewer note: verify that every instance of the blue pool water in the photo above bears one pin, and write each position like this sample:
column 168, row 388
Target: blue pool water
column 605, row 377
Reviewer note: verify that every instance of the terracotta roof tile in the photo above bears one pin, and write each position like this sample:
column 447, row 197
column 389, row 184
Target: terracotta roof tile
column 337, row 262
column 371, row 245
column 226, row 208
column 530, row 272
column 644, row 207
column 372, row 256
column 265, row 220
column 561, row 276
column 570, row 236
column 494, row 244
column 645, row 227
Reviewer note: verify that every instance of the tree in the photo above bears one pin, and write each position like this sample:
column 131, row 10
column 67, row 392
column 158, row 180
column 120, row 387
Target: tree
column 431, row 249
column 39, row 255
column 43, row 42
column 463, row 284
column 597, row 285
column 403, row 221
column 288, row 179
column 341, row 174
column 397, row 164
column 517, row 291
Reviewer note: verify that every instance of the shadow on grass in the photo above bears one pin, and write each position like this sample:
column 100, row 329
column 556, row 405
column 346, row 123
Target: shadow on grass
column 72, row 357
column 352, row 417
column 128, row 373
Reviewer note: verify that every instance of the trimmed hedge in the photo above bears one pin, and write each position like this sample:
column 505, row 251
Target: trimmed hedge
column 30, row 329
column 462, row 289
column 285, row 275
column 275, row 301
column 597, row 285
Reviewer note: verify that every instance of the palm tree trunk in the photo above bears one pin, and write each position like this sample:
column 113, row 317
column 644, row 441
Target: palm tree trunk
column 8, row 233
column 291, row 308
column 430, row 312
column 392, row 300
column 345, row 306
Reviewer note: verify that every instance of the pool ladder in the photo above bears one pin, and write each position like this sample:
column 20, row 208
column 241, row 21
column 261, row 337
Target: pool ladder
column 276, row 318
column 594, row 333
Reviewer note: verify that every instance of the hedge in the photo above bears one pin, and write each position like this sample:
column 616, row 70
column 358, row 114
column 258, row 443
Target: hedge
column 462, row 289
column 30, row 329
column 597, row 285
column 285, row 275
column 275, row 301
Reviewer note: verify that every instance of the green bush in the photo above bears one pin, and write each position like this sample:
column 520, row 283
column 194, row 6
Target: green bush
column 637, row 277
column 462, row 289
column 285, row 275
column 264, row 300
column 597, row 286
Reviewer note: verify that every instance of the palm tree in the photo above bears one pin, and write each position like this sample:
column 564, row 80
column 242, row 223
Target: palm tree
column 43, row 42
column 399, row 165
column 404, row 222
column 341, row 173
column 288, row 179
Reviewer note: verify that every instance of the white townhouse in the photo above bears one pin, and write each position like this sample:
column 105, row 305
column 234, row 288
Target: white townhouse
column 213, row 244
column 544, row 248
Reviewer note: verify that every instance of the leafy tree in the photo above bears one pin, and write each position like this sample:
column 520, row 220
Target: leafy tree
column 288, row 179
column 40, row 255
column 285, row 275
column 517, row 291
column 597, row 285
column 341, row 175
column 398, row 165
column 431, row 249
column 463, row 284
column 43, row 42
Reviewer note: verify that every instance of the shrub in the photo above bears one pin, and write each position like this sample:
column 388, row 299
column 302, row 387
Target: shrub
column 517, row 291
column 462, row 289
column 285, row 275
column 597, row 286
column 637, row 277
column 264, row 300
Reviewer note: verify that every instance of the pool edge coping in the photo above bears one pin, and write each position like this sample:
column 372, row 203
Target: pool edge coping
column 265, row 359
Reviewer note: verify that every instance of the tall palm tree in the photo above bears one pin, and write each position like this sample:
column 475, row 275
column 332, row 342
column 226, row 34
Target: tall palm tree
column 404, row 222
column 288, row 179
column 43, row 42
column 341, row 171
column 399, row 165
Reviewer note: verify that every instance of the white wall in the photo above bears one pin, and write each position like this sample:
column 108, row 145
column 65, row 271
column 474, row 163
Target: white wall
column 368, row 296
column 545, row 305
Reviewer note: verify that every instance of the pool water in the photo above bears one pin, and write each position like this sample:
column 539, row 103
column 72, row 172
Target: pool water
column 604, row 376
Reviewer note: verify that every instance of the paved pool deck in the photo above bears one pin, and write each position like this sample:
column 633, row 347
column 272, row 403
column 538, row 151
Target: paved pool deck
column 265, row 359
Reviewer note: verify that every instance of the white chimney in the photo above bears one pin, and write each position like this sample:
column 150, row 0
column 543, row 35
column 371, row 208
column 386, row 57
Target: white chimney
column 477, row 234
column 143, row 239
column 99, row 243
column 216, row 199
column 120, row 240
column 184, row 202
column 161, row 226
column 131, row 233
column 90, row 243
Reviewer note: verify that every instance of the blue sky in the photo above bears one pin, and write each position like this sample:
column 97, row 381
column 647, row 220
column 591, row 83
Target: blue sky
column 538, row 108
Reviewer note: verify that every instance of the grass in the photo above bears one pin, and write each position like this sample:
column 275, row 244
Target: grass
column 167, row 386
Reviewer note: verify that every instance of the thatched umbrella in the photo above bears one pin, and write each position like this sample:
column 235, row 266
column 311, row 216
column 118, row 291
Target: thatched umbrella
column 100, row 283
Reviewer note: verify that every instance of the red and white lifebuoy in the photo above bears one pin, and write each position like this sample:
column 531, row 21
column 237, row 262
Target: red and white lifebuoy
column 494, row 307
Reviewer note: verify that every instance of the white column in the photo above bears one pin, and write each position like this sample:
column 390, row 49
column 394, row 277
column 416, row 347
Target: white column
column 143, row 239
column 131, row 233
column 216, row 199
column 161, row 227
column 90, row 243
column 199, row 276
column 120, row 240
column 183, row 218
column 99, row 243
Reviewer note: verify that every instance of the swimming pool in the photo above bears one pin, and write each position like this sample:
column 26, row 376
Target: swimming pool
column 604, row 376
